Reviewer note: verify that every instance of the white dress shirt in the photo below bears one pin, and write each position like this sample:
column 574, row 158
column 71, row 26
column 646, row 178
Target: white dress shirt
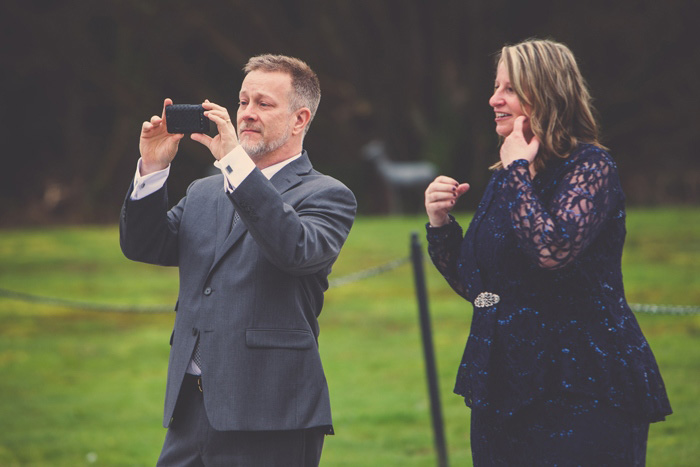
column 236, row 166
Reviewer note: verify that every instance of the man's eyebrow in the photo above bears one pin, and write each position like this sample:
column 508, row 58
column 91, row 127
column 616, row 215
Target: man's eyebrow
column 257, row 94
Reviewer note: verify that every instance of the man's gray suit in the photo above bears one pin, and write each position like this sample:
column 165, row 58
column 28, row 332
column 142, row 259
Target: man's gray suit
column 251, row 294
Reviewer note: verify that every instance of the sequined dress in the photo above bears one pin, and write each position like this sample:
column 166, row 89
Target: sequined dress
column 551, row 249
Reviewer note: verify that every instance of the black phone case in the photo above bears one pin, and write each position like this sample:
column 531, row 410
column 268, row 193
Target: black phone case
column 186, row 118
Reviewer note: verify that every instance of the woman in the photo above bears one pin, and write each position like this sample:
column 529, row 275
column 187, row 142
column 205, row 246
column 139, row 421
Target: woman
column 556, row 369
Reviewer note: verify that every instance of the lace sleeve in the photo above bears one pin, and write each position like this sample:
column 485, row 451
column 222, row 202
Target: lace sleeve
column 443, row 248
column 555, row 234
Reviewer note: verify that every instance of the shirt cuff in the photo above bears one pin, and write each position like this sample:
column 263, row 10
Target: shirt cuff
column 148, row 184
column 236, row 166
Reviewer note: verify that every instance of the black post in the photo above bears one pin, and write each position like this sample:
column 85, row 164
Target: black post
column 428, row 353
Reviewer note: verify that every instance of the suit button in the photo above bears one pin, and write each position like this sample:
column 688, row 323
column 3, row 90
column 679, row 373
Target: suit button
column 194, row 331
column 207, row 291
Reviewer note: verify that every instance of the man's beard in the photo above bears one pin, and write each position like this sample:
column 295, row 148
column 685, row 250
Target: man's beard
column 262, row 147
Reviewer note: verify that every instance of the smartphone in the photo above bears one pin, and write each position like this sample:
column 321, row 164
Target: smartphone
column 186, row 118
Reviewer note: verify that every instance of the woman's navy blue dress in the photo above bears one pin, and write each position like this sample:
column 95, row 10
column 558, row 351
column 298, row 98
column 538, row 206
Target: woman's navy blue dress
column 562, row 333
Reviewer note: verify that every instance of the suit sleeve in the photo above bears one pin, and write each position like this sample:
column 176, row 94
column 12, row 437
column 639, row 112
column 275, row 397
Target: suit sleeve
column 148, row 231
column 304, row 238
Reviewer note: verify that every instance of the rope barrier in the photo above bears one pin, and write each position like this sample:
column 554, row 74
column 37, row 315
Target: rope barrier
column 664, row 309
column 53, row 301
column 333, row 283
column 90, row 306
column 356, row 276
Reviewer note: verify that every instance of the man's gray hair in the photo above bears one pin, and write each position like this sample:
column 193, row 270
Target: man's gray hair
column 306, row 89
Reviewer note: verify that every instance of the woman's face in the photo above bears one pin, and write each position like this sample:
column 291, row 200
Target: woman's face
column 506, row 105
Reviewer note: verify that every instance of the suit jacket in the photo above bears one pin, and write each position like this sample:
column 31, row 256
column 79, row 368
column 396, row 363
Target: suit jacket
column 251, row 294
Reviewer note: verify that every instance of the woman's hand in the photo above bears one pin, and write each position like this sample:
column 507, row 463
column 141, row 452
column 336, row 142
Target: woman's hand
column 516, row 145
column 440, row 198
column 226, row 140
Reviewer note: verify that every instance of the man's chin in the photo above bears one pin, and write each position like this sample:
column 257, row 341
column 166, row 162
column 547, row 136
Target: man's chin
column 253, row 150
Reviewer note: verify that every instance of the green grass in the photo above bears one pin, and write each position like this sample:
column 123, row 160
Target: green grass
column 86, row 387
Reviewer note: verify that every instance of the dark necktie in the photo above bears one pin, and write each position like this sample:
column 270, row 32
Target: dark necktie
column 236, row 218
column 197, row 355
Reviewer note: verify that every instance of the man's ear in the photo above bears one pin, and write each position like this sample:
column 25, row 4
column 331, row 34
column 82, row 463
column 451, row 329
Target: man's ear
column 303, row 117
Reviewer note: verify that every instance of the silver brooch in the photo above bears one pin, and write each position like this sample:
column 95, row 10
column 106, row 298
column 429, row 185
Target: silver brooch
column 486, row 299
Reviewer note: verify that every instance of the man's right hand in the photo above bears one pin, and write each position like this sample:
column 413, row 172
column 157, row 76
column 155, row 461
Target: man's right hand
column 158, row 147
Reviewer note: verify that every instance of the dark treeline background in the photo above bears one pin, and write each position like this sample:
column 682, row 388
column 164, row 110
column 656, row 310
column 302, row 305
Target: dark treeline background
column 79, row 78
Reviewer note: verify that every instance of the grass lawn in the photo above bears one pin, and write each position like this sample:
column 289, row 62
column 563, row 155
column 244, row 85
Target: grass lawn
column 86, row 387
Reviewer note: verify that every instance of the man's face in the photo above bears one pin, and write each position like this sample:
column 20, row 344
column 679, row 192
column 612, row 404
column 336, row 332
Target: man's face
column 264, row 119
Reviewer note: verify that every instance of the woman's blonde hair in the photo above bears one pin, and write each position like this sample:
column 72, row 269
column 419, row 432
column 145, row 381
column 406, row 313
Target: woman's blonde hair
column 547, row 80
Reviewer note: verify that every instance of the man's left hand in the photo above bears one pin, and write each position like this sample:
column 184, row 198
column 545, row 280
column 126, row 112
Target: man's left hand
column 224, row 142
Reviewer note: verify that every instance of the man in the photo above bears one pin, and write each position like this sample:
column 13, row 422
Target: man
column 254, row 247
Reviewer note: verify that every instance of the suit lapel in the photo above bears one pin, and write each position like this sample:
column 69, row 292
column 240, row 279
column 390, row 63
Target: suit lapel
column 287, row 178
column 224, row 218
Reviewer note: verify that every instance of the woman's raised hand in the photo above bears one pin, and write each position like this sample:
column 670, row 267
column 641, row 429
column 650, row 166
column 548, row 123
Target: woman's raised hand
column 440, row 198
column 517, row 146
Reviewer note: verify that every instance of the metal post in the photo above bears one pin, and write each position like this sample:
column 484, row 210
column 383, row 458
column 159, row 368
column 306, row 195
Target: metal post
column 428, row 353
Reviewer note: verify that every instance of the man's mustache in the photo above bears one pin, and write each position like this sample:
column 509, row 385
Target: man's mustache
column 250, row 127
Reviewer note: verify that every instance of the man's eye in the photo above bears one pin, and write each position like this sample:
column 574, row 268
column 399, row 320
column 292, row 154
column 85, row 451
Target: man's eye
column 242, row 103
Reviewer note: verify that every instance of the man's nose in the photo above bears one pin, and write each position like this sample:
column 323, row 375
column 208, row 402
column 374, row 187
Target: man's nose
column 249, row 115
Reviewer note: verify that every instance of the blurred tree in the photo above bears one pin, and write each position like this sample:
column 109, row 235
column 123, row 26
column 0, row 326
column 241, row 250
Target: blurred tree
column 79, row 77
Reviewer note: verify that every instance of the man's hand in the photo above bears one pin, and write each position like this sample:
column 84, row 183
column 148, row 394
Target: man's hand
column 440, row 198
column 158, row 148
column 226, row 140
column 516, row 146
